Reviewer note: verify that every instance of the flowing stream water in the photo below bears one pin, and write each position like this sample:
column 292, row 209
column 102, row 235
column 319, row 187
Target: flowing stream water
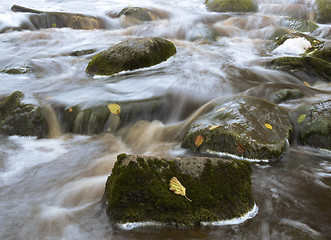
column 51, row 188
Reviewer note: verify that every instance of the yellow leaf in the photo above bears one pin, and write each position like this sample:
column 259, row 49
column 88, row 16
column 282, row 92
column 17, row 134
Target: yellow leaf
column 307, row 84
column 301, row 118
column 268, row 126
column 114, row 108
column 53, row 25
column 214, row 127
column 198, row 140
column 178, row 188
column 221, row 109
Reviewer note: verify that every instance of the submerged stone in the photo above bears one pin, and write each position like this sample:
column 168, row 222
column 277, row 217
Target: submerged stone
column 299, row 25
column 131, row 54
column 311, row 69
column 41, row 19
column 231, row 5
column 314, row 123
column 244, row 126
column 142, row 14
column 17, row 118
column 138, row 190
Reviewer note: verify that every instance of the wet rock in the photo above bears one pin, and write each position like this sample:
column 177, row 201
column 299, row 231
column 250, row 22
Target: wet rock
column 202, row 32
column 309, row 69
column 41, row 19
column 131, row 54
column 17, row 118
column 299, row 25
column 244, row 126
column 97, row 119
column 138, row 190
column 17, row 70
column 322, row 51
column 323, row 8
column 314, row 123
column 293, row 10
column 142, row 14
column 231, row 5
column 313, row 41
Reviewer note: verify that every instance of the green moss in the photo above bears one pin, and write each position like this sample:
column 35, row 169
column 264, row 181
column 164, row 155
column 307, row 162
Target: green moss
column 231, row 5
column 322, row 51
column 315, row 67
column 140, row 192
column 121, row 156
column 15, row 71
column 323, row 11
column 131, row 54
column 17, row 118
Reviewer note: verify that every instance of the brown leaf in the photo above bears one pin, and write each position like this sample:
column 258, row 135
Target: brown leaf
column 241, row 149
column 198, row 140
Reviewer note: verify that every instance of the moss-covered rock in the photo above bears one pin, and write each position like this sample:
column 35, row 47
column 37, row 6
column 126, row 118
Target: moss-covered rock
column 17, row 118
column 17, row 70
column 313, row 41
column 244, row 126
column 142, row 14
column 131, row 54
column 138, row 190
column 311, row 69
column 231, row 5
column 314, row 123
column 299, row 25
column 41, row 19
column 322, row 51
column 323, row 8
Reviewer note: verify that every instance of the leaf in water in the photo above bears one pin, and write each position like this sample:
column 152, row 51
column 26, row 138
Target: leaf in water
column 241, row 149
column 70, row 109
column 307, row 83
column 198, row 140
column 178, row 188
column 301, row 118
column 53, row 25
column 268, row 126
column 214, row 127
column 114, row 108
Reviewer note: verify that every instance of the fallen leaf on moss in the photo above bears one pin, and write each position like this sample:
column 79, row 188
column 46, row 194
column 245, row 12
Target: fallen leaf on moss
column 178, row 188
column 114, row 108
column 268, row 126
column 301, row 118
column 70, row 109
column 198, row 140
column 241, row 149
column 214, row 127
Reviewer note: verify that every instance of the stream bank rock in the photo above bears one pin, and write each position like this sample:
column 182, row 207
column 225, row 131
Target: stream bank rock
column 131, row 54
column 138, row 190
column 243, row 126
column 17, row 118
column 323, row 9
column 314, row 123
column 231, row 5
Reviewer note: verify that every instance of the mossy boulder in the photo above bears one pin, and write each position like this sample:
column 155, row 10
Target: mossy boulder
column 299, row 25
column 310, row 69
column 314, row 123
column 313, row 41
column 17, row 70
column 322, row 51
column 17, row 118
column 131, row 54
column 244, row 126
column 231, row 5
column 323, row 9
column 138, row 190
column 142, row 14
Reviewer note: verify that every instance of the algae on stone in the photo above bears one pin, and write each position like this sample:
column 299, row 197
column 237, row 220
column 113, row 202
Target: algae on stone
column 138, row 190
column 231, row 5
column 323, row 8
column 17, row 118
column 131, row 54
column 315, row 127
column 238, row 127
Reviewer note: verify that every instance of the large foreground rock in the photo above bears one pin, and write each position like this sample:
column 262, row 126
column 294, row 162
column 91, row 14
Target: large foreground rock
column 138, row 190
column 17, row 118
column 131, row 54
column 314, row 123
column 244, row 126
column 231, row 5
